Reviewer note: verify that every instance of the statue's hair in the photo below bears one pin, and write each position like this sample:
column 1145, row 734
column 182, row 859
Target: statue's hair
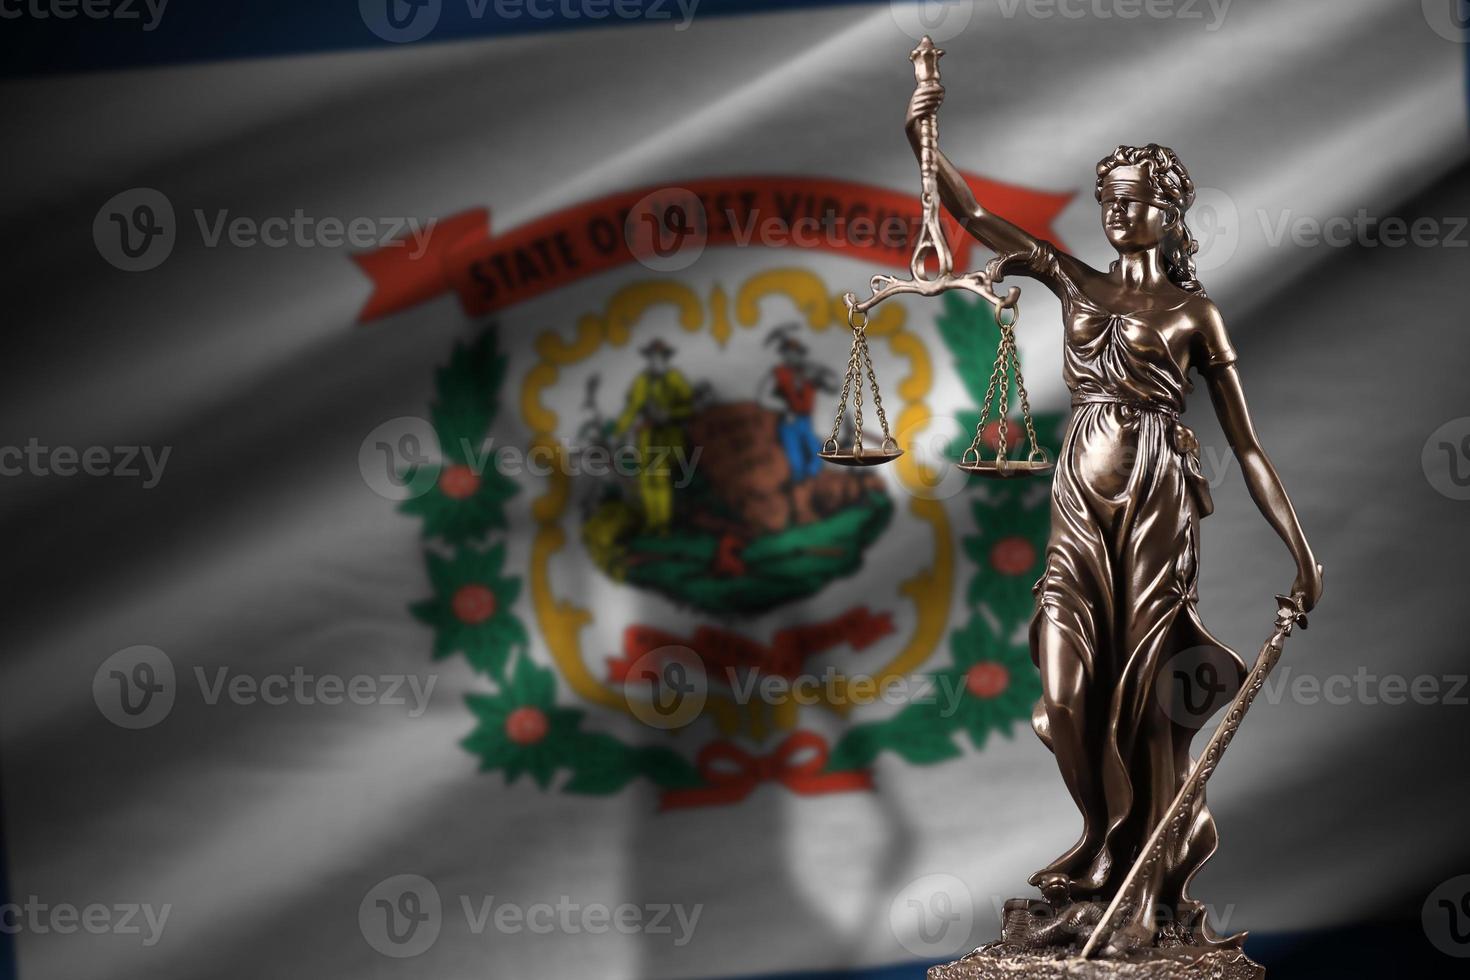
column 1172, row 184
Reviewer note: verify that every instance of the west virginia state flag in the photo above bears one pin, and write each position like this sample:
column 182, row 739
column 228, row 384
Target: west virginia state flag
column 421, row 562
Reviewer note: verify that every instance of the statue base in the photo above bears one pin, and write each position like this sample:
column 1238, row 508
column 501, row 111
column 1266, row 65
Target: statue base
column 1021, row 955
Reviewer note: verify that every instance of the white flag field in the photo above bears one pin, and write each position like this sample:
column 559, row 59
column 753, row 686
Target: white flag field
column 419, row 566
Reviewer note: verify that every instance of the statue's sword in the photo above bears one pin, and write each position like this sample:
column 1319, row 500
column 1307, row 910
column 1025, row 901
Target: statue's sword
column 1289, row 614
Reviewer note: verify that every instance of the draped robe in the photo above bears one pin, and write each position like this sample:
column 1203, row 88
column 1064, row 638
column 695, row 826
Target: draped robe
column 1121, row 574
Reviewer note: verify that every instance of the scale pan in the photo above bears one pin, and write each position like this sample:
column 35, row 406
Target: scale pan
column 995, row 469
column 868, row 457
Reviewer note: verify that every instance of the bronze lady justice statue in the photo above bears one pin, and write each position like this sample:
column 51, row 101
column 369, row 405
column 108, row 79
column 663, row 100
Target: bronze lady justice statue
column 1117, row 598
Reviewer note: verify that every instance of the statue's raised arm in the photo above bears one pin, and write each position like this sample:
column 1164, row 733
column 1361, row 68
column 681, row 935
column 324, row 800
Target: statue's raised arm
column 1016, row 249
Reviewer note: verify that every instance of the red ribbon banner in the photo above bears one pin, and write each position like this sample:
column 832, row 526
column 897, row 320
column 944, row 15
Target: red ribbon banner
column 663, row 226
column 722, row 650
column 732, row 773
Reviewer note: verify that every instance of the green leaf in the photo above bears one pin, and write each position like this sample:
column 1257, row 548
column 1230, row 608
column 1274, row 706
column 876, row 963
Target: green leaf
column 542, row 764
column 532, row 684
column 978, row 732
column 857, row 748
column 487, row 649
column 598, row 782
column 507, row 591
column 973, row 642
column 462, row 521
column 487, row 564
column 1012, row 604
column 666, row 768
column 600, row 765
column 510, row 631
column 492, row 709
column 441, row 573
column 427, row 611
column 922, row 716
column 494, row 753
column 468, row 391
column 565, row 725
column 921, row 746
column 920, row 733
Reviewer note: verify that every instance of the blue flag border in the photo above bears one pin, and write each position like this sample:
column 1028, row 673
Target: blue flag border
column 230, row 29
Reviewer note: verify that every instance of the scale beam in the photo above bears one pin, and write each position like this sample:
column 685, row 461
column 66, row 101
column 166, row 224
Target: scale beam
column 884, row 287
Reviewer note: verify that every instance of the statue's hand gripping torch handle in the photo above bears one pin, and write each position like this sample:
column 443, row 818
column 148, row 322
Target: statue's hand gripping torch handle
column 931, row 237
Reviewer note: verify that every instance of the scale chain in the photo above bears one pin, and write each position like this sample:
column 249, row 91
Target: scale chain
column 995, row 374
column 1007, row 360
column 1025, row 406
column 846, row 393
column 877, row 395
column 858, row 345
column 1001, row 445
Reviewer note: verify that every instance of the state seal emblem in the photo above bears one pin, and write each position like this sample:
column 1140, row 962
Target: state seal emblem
column 669, row 586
